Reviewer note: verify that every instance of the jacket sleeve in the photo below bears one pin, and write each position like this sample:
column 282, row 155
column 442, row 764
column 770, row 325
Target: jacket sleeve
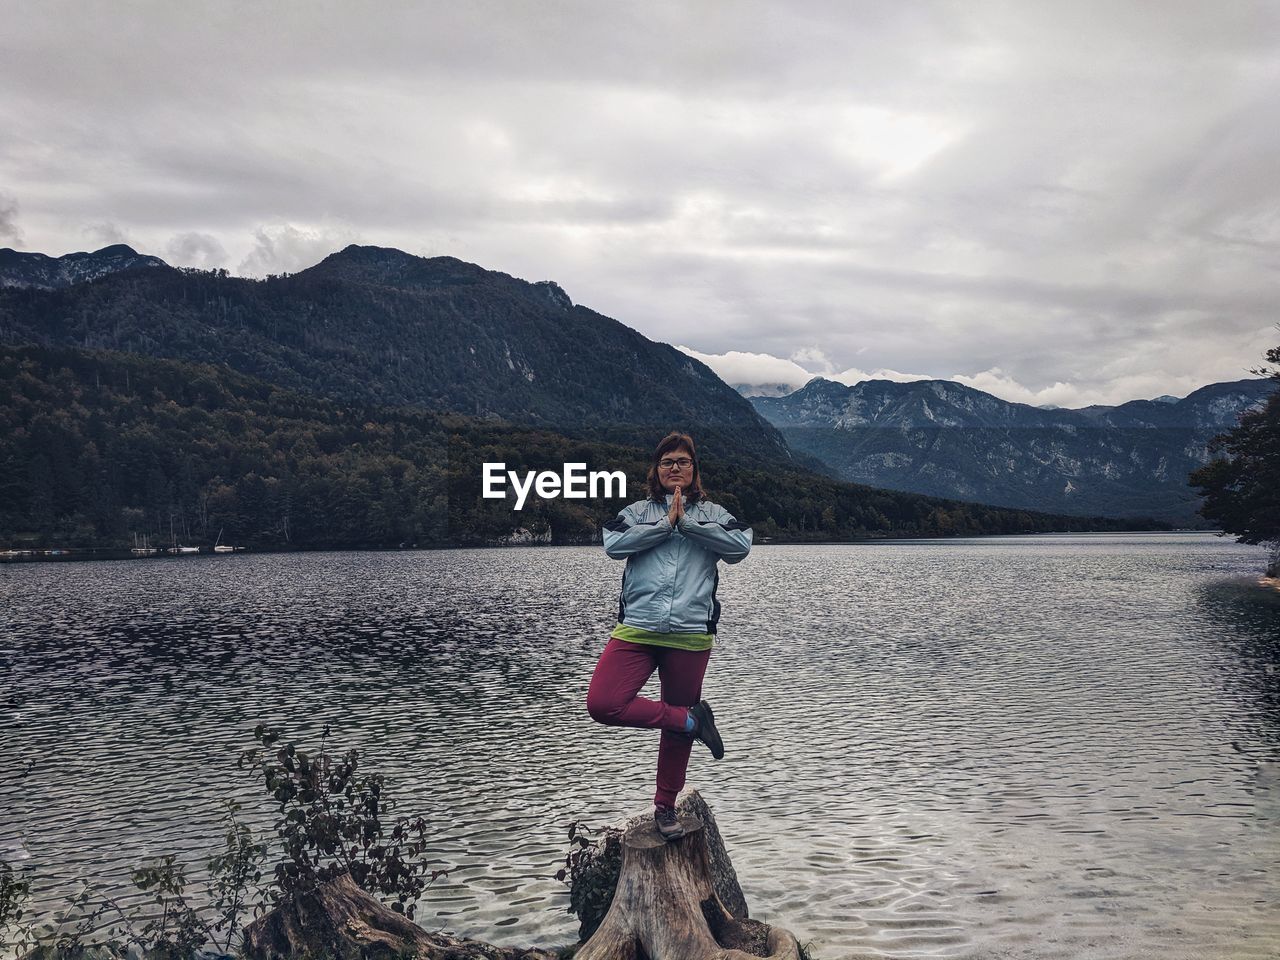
column 625, row 534
column 725, row 536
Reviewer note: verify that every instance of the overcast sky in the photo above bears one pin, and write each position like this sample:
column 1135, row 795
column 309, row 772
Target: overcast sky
column 1058, row 202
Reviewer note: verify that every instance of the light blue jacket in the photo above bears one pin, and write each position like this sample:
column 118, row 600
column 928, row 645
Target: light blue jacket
column 670, row 582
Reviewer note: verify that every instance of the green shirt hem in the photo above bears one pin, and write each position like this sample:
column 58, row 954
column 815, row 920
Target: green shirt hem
column 680, row 641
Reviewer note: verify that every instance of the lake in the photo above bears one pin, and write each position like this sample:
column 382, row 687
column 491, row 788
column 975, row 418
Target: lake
column 1034, row 747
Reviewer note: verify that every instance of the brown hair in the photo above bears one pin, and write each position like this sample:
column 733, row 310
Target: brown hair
column 690, row 492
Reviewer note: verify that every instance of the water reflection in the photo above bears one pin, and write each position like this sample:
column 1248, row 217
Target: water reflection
column 1017, row 745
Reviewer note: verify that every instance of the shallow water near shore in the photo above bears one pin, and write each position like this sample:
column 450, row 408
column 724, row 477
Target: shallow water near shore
column 1042, row 746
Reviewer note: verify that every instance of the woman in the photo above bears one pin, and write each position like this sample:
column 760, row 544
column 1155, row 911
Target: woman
column 667, row 616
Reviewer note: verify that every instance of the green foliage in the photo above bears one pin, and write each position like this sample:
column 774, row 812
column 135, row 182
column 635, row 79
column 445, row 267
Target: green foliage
column 15, row 891
column 96, row 447
column 235, row 873
column 332, row 823
column 100, row 447
column 86, row 909
column 1242, row 490
column 379, row 327
column 178, row 932
column 172, row 929
column 592, row 877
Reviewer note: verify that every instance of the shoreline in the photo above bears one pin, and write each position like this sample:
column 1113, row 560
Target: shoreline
column 71, row 554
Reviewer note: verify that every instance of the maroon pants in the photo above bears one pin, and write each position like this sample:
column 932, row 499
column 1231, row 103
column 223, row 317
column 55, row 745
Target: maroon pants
column 624, row 668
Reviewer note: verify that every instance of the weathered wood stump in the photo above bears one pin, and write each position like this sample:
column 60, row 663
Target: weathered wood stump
column 595, row 877
column 340, row 920
column 665, row 908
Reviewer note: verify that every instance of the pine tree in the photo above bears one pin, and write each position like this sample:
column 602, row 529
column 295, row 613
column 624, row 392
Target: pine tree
column 1242, row 490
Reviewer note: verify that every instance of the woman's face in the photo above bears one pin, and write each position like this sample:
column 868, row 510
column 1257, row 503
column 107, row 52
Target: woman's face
column 675, row 469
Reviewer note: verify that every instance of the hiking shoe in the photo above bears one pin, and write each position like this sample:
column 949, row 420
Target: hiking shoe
column 706, row 728
column 668, row 823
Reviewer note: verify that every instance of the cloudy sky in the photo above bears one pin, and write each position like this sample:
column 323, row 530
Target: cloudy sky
column 1057, row 202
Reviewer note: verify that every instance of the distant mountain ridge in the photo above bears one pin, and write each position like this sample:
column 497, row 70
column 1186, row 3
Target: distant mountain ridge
column 943, row 438
column 41, row 272
column 103, row 446
column 379, row 325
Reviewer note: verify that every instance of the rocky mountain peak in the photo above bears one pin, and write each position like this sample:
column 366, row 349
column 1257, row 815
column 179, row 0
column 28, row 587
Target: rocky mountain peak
column 112, row 250
column 43, row 272
column 390, row 267
column 554, row 292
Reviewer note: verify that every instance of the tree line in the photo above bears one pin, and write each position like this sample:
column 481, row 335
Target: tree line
column 99, row 446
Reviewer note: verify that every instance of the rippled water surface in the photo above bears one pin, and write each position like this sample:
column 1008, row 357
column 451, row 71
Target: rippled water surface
column 1049, row 746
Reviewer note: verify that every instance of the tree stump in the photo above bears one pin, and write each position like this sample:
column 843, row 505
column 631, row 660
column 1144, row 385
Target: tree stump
column 665, row 908
column 340, row 920
column 594, row 878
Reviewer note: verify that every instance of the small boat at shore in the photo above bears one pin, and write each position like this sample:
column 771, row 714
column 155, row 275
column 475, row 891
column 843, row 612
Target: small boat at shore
column 175, row 547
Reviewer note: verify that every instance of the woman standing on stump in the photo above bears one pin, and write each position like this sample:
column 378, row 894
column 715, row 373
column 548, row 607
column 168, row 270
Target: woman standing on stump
column 667, row 616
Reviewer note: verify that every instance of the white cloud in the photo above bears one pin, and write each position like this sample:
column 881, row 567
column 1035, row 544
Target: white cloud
column 736, row 367
column 286, row 248
column 813, row 357
column 104, row 234
column 1058, row 199
column 854, row 375
column 9, row 220
column 192, row 249
column 890, row 143
column 760, row 369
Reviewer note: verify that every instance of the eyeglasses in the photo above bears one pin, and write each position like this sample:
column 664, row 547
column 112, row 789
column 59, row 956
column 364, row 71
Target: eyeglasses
column 668, row 464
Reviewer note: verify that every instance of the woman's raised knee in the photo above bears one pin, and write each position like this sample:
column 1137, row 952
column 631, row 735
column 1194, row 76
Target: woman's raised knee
column 603, row 710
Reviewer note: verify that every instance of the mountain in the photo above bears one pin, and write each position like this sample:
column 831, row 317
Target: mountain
column 36, row 270
column 97, row 447
column 944, row 439
column 377, row 325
